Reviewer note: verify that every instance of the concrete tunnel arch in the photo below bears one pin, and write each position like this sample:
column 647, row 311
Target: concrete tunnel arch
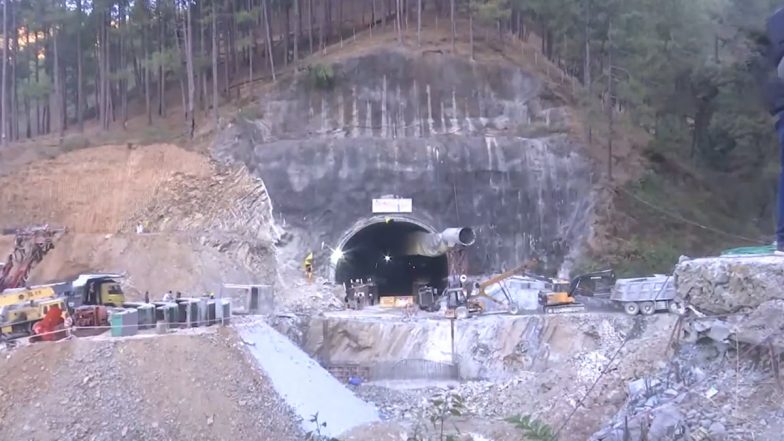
column 370, row 248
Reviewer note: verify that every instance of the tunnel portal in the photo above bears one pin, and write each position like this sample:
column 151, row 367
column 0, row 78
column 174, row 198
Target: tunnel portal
column 378, row 251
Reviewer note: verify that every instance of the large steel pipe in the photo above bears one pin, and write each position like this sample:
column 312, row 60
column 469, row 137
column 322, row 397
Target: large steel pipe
column 437, row 244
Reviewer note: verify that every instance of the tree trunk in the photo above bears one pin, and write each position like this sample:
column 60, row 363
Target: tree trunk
column 14, row 96
column 122, row 83
column 419, row 22
column 215, row 64
column 57, row 116
column 203, row 49
column 297, row 29
column 398, row 23
column 310, row 24
column 287, row 30
column 100, row 89
column 227, row 57
column 610, row 106
column 3, row 108
column 452, row 17
column 471, row 29
column 37, row 79
column 147, row 106
column 189, row 66
column 322, row 28
column 28, row 118
column 251, row 47
column 587, row 42
column 161, row 68
column 231, row 48
column 265, row 12
column 180, row 56
column 79, row 72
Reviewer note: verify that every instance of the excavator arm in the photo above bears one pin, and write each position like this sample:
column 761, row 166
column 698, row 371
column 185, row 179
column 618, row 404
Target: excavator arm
column 480, row 289
column 521, row 269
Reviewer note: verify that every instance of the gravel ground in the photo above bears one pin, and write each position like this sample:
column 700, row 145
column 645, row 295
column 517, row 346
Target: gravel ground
column 176, row 387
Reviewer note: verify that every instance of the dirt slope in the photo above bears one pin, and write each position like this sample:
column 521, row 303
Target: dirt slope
column 200, row 387
column 203, row 224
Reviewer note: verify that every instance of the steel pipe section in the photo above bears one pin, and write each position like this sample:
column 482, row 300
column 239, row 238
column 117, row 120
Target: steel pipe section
column 437, row 244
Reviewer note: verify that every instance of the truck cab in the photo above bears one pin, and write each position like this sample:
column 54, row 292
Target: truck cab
column 96, row 289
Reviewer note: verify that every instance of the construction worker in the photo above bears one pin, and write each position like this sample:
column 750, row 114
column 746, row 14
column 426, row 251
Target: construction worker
column 308, row 265
column 775, row 97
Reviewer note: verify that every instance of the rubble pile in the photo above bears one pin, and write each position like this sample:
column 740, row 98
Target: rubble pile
column 729, row 284
column 195, row 387
column 703, row 394
column 724, row 382
column 228, row 209
column 734, row 299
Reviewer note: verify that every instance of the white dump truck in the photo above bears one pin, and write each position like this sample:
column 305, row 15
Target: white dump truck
column 646, row 295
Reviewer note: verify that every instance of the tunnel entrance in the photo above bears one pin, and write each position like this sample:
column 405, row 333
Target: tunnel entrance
column 376, row 251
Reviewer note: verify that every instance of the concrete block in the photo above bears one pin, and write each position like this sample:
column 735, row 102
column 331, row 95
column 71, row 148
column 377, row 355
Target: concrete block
column 211, row 313
column 203, row 311
column 192, row 309
column 225, row 308
column 130, row 322
column 123, row 322
column 167, row 312
column 116, row 322
column 146, row 315
column 182, row 313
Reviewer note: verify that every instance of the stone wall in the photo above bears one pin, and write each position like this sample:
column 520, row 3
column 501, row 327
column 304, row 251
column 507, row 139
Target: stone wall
column 471, row 144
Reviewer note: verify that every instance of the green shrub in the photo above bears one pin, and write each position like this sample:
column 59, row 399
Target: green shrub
column 322, row 76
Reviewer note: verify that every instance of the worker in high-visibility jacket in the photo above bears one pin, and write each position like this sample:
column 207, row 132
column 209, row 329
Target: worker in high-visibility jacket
column 308, row 264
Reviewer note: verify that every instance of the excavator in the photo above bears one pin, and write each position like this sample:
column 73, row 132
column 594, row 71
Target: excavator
column 462, row 303
column 559, row 298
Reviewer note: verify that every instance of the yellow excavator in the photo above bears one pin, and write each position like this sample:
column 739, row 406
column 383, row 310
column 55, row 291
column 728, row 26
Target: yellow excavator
column 460, row 303
column 559, row 298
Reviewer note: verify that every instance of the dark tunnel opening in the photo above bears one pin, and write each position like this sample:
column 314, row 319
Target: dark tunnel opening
column 376, row 252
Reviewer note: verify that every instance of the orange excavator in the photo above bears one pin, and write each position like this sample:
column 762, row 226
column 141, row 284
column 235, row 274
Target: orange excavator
column 461, row 303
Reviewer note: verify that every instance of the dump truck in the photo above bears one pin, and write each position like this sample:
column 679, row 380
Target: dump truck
column 646, row 295
column 96, row 289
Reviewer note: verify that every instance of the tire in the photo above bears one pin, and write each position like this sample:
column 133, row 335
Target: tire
column 461, row 312
column 647, row 308
column 513, row 308
column 631, row 308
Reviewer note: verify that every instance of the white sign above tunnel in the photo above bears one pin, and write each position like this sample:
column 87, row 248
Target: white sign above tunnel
column 392, row 205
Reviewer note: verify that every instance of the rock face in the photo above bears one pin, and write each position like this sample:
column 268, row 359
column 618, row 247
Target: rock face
column 490, row 347
column 476, row 145
column 722, row 285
